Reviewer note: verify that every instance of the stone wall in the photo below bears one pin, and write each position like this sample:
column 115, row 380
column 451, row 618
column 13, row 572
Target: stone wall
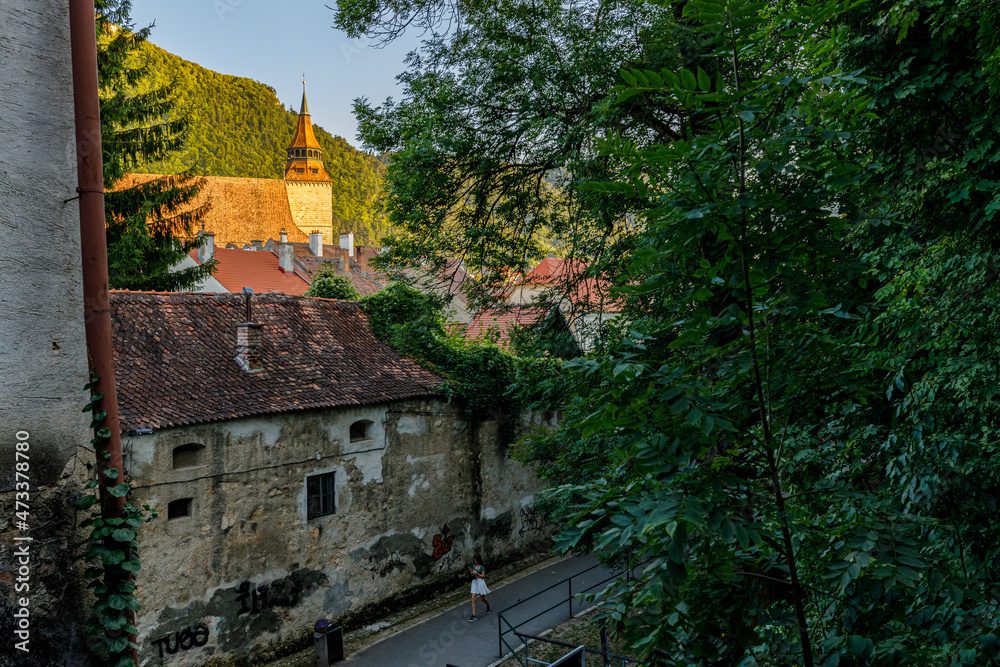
column 43, row 359
column 311, row 204
column 415, row 499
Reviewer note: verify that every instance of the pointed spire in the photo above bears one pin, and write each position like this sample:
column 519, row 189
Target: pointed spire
column 304, row 108
column 304, row 156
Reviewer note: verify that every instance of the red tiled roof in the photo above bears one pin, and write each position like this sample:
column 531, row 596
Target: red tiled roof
column 365, row 282
column 503, row 320
column 257, row 270
column 570, row 277
column 306, row 169
column 175, row 365
column 241, row 209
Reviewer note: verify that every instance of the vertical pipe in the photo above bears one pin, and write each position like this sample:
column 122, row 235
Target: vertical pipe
column 93, row 244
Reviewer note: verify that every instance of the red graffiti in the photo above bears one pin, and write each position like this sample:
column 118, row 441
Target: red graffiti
column 442, row 543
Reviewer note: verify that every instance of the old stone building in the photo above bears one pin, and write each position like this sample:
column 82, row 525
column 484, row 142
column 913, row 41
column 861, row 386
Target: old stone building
column 304, row 470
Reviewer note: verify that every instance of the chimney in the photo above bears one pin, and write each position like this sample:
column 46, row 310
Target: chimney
column 286, row 254
column 206, row 251
column 256, row 245
column 248, row 338
column 361, row 256
column 283, row 236
column 316, row 244
column 347, row 243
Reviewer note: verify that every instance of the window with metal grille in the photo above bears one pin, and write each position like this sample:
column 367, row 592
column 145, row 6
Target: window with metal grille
column 319, row 496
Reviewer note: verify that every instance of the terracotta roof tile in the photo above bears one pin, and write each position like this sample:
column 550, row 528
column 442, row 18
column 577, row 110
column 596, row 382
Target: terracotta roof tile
column 242, row 209
column 570, row 278
column 256, row 269
column 503, row 320
column 175, row 365
column 365, row 282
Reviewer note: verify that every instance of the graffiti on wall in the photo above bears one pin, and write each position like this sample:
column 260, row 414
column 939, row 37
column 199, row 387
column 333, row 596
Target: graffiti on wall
column 500, row 528
column 255, row 598
column 442, row 543
column 245, row 611
column 452, row 557
column 183, row 640
column 379, row 566
column 531, row 519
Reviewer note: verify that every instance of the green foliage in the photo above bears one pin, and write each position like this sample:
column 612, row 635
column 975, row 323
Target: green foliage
column 797, row 433
column 328, row 284
column 492, row 144
column 237, row 127
column 482, row 378
column 548, row 337
column 111, row 550
column 145, row 229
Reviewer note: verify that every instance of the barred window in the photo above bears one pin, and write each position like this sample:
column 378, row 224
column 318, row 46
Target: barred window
column 319, row 496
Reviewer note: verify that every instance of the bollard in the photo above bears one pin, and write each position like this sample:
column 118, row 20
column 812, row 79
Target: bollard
column 329, row 639
column 320, row 631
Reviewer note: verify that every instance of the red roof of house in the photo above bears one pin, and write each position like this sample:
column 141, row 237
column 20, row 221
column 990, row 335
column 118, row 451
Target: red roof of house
column 503, row 320
column 175, row 358
column 365, row 281
column 570, row 277
column 257, row 270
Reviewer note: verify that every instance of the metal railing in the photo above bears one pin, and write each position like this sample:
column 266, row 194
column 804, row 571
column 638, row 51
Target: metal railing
column 568, row 582
column 607, row 655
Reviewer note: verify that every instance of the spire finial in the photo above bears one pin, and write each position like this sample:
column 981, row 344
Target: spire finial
column 304, row 109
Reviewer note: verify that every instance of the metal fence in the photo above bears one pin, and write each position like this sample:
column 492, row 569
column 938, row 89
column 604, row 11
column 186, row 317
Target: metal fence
column 511, row 628
column 609, row 657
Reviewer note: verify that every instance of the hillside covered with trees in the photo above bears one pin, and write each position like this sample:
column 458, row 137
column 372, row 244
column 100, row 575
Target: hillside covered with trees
column 238, row 127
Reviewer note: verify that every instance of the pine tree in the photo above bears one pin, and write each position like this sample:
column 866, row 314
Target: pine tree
column 148, row 225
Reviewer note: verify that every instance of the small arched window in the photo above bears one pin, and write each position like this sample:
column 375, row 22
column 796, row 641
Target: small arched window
column 191, row 455
column 361, row 430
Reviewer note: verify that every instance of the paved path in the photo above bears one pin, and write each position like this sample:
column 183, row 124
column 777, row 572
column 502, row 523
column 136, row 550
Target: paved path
column 450, row 639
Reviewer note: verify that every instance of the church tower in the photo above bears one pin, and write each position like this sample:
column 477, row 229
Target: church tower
column 310, row 190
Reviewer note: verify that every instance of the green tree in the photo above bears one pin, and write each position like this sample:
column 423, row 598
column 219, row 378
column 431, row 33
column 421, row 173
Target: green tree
column 149, row 228
column 796, row 436
column 493, row 142
column 328, row 284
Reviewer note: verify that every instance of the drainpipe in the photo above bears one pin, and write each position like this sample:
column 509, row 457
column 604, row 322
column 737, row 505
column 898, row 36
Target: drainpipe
column 93, row 245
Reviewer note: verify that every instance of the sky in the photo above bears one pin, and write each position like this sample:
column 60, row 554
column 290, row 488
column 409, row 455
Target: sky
column 273, row 42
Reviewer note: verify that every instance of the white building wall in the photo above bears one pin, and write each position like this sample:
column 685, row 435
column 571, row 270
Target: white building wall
column 207, row 285
column 43, row 356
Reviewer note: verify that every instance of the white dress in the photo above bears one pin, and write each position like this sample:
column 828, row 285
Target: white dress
column 478, row 584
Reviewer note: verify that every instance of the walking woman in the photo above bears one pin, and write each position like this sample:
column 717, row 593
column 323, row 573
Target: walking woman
column 478, row 573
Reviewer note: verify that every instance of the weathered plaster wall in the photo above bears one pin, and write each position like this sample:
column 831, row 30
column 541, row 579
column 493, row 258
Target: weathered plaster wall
column 42, row 349
column 311, row 204
column 414, row 501
column 43, row 356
